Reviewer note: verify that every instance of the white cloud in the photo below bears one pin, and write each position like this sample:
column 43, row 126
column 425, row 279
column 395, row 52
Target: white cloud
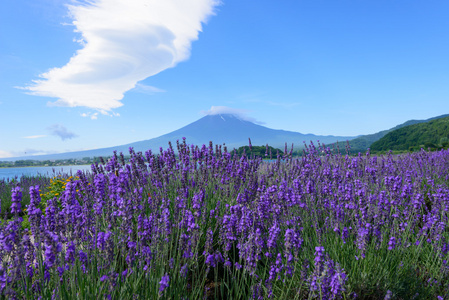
column 34, row 136
column 221, row 110
column 93, row 116
column 123, row 43
column 5, row 154
column 61, row 131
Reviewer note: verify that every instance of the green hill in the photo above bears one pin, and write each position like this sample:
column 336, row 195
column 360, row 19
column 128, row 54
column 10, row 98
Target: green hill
column 362, row 143
column 432, row 134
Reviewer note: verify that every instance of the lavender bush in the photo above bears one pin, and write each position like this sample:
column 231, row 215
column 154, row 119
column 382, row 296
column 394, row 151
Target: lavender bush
column 208, row 224
column 7, row 185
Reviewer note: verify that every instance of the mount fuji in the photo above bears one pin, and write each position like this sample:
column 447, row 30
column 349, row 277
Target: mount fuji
column 219, row 128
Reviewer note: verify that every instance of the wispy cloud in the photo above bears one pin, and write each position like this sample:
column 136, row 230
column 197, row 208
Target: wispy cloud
column 123, row 43
column 34, row 136
column 61, row 131
column 220, row 110
column 93, row 116
column 147, row 89
column 30, row 151
column 26, row 152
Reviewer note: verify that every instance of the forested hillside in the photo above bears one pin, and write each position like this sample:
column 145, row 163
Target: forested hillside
column 362, row 143
column 433, row 134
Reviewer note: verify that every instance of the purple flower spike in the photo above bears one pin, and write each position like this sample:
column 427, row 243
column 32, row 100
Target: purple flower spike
column 319, row 254
column 210, row 260
column 16, row 199
column 392, row 243
column 164, row 283
column 389, row 295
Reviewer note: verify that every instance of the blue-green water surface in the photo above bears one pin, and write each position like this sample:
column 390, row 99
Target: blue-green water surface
column 11, row 173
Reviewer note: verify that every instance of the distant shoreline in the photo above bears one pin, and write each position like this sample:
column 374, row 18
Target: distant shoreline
column 37, row 166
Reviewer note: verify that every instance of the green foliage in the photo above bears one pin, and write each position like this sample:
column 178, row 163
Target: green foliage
column 50, row 188
column 6, row 164
column 433, row 134
column 259, row 151
column 362, row 143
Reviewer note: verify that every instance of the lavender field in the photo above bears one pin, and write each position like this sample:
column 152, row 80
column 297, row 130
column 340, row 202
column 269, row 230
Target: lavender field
column 208, row 224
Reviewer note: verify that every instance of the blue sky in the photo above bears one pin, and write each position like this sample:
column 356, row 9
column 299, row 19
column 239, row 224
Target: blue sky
column 77, row 76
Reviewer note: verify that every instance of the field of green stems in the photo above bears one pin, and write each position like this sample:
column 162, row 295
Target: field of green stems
column 201, row 222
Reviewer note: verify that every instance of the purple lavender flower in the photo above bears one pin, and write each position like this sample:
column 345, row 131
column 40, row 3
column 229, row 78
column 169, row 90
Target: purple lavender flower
column 391, row 243
column 210, row 260
column 319, row 258
column 70, row 252
column 125, row 273
column 52, row 247
column 389, row 295
column 16, row 198
column 273, row 235
column 60, row 271
column 164, row 283
column 228, row 264
column 184, row 270
column 337, row 281
column 100, row 183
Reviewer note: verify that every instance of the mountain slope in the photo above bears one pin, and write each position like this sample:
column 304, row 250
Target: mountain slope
column 415, row 136
column 219, row 129
column 362, row 143
column 235, row 132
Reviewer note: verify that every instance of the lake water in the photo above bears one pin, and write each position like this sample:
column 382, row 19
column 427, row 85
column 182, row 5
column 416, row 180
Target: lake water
column 11, row 173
